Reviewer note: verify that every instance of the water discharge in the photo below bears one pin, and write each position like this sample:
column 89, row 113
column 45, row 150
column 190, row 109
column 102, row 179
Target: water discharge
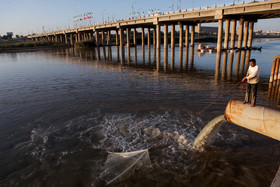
column 209, row 132
column 120, row 166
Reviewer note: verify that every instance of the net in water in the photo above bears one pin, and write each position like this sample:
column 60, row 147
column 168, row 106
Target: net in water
column 121, row 165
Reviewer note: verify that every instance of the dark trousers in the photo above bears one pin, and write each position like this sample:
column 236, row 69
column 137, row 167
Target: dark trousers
column 251, row 88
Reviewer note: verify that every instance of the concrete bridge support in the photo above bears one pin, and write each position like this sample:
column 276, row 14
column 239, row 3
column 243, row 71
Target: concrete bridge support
column 158, row 46
column 226, row 39
column 219, row 48
column 233, row 32
column 165, row 47
column 143, row 44
column 229, row 74
column 239, row 44
column 97, row 45
column 192, row 36
column 154, row 44
column 251, row 31
column 224, row 67
column 121, row 46
column 192, row 58
column 181, row 47
column 274, row 81
column 117, row 46
column 85, row 36
column 135, row 46
column 186, row 47
column 245, row 38
column 149, row 44
column 109, row 45
column 240, row 33
column 275, row 73
column 71, row 38
column 63, row 38
column 79, row 37
column 220, row 35
column 128, row 44
column 103, row 45
column 66, row 38
column 172, row 46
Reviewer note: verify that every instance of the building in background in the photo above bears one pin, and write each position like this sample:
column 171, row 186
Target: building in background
column 205, row 30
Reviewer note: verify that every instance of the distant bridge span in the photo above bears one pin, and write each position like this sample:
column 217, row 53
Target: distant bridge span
column 245, row 14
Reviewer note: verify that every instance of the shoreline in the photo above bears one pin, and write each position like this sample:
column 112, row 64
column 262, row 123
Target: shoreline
column 30, row 49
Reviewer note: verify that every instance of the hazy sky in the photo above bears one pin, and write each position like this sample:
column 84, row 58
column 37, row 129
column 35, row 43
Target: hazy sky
column 33, row 16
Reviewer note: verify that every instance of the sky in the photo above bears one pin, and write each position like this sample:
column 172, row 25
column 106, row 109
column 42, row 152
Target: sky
column 23, row 17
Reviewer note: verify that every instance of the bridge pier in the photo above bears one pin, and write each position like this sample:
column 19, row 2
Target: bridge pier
column 233, row 32
column 248, row 55
column 165, row 47
column 128, row 44
column 172, row 47
column 143, row 44
column 109, row 45
column 79, row 37
column 226, row 39
column 239, row 45
column 186, row 47
column 219, row 48
column 97, row 45
column 135, row 46
column 229, row 74
column 149, row 44
column 220, row 35
column 245, row 38
column 242, row 65
column 66, row 38
column 154, row 44
column 224, row 68
column 192, row 36
column 121, row 46
column 240, row 33
column 117, row 45
column 192, row 58
column 274, row 81
column 181, row 47
column 158, row 46
column 251, row 31
column 71, row 38
column 103, row 45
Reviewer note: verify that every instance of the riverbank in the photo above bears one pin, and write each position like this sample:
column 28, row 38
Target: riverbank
column 6, row 47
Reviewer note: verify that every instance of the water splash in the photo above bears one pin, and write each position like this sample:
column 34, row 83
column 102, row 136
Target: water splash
column 208, row 132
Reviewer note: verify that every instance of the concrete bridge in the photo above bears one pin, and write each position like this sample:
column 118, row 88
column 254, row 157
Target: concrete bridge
column 245, row 15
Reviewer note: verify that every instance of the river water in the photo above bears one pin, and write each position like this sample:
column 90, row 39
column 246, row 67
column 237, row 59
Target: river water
column 61, row 111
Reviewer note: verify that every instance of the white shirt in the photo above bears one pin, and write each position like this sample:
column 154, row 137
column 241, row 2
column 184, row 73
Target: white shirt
column 253, row 74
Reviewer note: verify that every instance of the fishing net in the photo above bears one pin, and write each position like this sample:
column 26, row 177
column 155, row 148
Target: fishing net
column 121, row 165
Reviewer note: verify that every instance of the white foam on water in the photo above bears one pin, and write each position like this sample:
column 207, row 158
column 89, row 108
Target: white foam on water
column 130, row 132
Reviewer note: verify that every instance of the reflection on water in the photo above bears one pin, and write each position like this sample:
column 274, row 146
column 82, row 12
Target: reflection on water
column 62, row 110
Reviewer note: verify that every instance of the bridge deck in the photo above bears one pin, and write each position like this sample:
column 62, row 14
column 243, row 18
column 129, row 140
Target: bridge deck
column 252, row 11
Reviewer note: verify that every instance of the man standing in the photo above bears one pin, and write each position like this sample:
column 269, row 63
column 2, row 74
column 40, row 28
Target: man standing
column 252, row 78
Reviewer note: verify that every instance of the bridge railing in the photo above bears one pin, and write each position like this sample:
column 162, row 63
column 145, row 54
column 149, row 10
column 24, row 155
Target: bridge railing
column 238, row 2
column 215, row 6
